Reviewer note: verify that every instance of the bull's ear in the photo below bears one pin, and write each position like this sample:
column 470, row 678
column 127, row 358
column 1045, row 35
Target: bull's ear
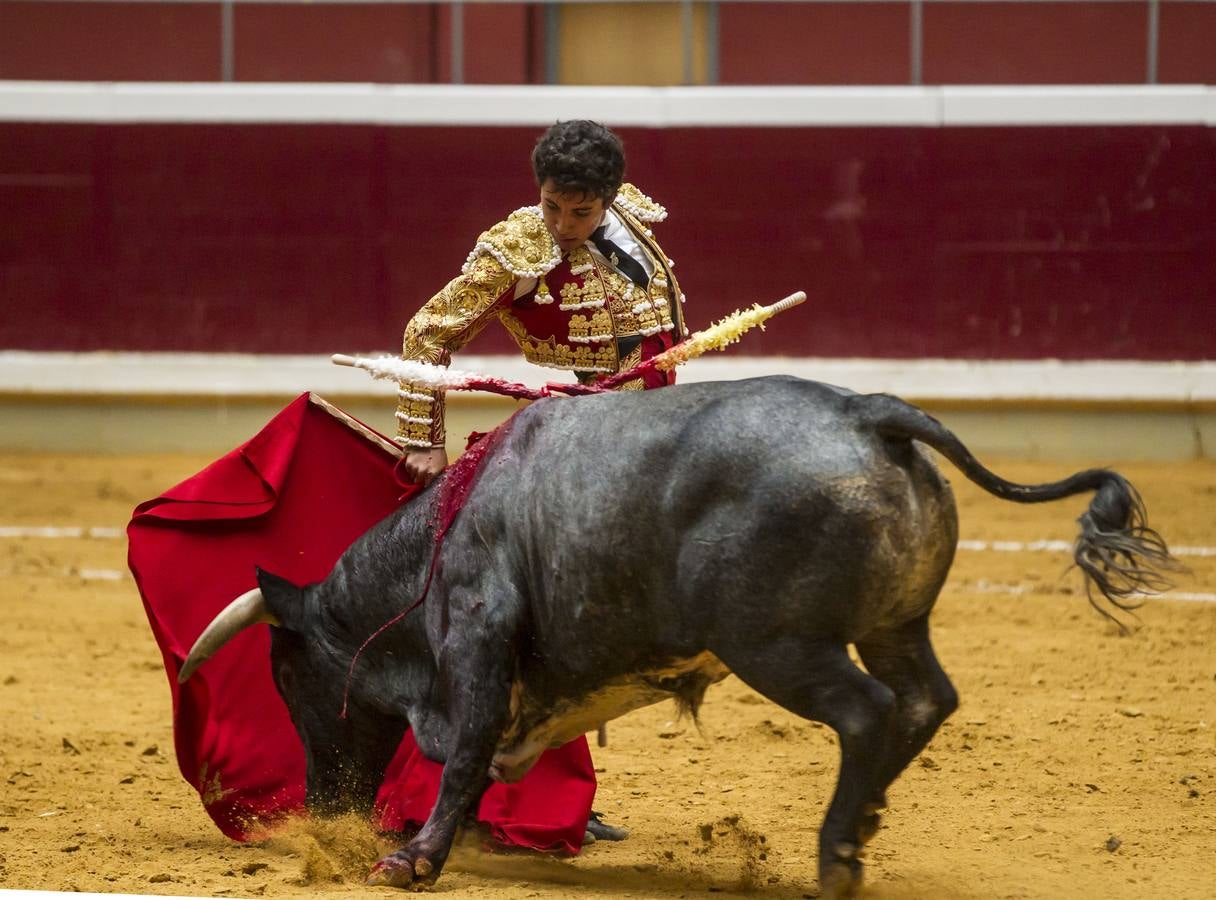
column 283, row 598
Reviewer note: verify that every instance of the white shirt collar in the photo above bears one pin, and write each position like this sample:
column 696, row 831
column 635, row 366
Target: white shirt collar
column 619, row 234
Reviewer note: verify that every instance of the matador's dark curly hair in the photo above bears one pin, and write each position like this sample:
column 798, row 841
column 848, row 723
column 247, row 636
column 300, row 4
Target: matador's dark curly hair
column 580, row 156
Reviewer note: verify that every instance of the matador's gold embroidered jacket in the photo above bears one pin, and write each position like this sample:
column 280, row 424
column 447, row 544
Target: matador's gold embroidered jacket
column 573, row 312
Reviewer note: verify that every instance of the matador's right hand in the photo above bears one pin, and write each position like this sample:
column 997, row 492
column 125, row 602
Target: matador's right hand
column 421, row 466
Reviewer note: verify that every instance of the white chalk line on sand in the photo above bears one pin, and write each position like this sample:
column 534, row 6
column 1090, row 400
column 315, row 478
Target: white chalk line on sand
column 98, row 574
column 77, row 895
column 1061, row 547
column 74, row 572
column 57, row 531
column 984, row 586
column 1042, row 546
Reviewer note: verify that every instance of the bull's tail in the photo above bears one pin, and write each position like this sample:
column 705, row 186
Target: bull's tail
column 1120, row 555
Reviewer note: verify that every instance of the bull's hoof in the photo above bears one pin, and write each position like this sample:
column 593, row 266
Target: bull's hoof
column 841, row 877
column 403, row 869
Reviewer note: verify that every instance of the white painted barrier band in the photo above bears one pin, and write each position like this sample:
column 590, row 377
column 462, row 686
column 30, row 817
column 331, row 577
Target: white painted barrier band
column 539, row 106
column 80, row 375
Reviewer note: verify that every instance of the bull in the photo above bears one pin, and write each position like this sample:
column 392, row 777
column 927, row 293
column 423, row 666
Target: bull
column 624, row 548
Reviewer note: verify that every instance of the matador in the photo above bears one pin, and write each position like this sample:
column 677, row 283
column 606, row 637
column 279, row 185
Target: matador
column 579, row 282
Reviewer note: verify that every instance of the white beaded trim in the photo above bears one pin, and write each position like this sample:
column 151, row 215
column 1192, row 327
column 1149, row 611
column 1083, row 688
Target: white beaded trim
column 586, row 304
column 412, row 442
column 643, row 306
column 669, row 326
column 414, row 420
column 582, row 270
column 486, row 247
column 640, row 213
column 591, row 339
column 543, row 299
column 571, row 368
column 647, row 332
column 421, row 398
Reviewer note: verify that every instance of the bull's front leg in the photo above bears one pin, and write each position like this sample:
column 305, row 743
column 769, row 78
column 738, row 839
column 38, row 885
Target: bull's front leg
column 476, row 681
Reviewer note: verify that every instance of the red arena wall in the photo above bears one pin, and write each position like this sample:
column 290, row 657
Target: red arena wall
column 846, row 42
column 1077, row 242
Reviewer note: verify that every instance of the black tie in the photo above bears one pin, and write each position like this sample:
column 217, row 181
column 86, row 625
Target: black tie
column 622, row 261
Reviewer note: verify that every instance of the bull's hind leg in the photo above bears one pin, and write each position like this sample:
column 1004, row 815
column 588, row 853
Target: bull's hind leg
column 904, row 661
column 817, row 680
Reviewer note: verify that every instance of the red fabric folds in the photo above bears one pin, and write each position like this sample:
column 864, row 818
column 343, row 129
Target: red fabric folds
column 546, row 810
column 291, row 500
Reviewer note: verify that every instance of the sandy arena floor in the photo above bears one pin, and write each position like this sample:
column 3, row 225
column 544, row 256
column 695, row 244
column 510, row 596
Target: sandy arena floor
column 1080, row 764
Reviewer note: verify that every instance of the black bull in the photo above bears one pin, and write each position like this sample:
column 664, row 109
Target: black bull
column 625, row 548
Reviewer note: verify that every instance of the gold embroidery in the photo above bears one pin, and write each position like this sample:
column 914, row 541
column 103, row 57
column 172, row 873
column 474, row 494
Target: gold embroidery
column 663, row 280
column 521, row 244
column 421, row 432
column 631, row 360
column 210, row 789
column 631, row 308
column 594, row 330
column 446, row 322
column 659, row 300
column 588, row 295
column 580, row 260
column 637, row 204
column 553, row 355
column 416, row 409
column 515, row 328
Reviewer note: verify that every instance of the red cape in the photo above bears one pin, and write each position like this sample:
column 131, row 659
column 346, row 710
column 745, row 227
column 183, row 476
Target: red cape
column 291, row 500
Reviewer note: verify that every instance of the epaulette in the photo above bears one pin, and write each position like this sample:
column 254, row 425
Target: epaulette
column 638, row 205
column 521, row 243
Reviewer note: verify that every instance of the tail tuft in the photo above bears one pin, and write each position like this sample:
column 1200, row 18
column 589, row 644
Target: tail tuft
column 1121, row 556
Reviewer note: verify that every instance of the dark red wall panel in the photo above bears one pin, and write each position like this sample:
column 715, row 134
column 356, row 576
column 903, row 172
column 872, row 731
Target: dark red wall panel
column 1069, row 242
column 497, row 43
column 760, row 43
column 1186, row 50
column 813, row 43
column 110, row 41
column 1034, row 43
column 385, row 42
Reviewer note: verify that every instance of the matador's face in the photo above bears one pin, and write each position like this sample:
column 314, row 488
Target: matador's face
column 570, row 216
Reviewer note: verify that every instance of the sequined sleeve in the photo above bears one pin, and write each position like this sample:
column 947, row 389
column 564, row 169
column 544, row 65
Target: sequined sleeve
column 447, row 322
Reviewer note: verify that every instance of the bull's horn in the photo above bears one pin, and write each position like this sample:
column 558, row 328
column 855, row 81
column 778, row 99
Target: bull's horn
column 248, row 609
